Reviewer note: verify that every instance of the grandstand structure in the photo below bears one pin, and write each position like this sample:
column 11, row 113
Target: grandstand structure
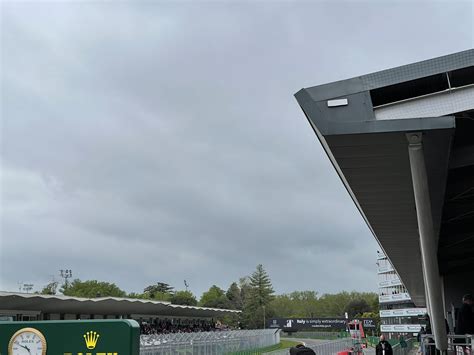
column 401, row 142
column 398, row 314
column 30, row 307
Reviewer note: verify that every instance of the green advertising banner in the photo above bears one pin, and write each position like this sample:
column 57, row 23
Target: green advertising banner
column 81, row 337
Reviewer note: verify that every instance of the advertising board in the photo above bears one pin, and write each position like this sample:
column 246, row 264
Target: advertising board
column 93, row 337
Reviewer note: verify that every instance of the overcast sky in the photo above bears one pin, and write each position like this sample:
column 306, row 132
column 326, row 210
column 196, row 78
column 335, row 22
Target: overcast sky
column 160, row 141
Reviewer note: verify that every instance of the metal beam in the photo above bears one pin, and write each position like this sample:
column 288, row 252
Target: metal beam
column 428, row 240
column 462, row 157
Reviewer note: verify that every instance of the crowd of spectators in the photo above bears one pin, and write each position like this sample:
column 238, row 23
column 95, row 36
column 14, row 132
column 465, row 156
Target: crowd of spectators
column 167, row 326
column 395, row 292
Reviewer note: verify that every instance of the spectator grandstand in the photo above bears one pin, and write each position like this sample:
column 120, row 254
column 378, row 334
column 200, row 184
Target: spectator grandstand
column 158, row 316
column 170, row 326
column 165, row 328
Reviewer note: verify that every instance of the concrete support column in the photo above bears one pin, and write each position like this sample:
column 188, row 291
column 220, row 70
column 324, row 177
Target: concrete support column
column 427, row 296
column 445, row 311
column 429, row 250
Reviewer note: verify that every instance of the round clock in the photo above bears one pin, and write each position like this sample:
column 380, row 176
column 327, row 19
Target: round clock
column 27, row 341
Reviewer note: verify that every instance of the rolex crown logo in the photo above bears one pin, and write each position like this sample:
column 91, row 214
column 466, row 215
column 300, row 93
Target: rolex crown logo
column 91, row 339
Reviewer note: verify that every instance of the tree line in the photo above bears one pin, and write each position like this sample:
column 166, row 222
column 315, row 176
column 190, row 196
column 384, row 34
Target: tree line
column 253, row 295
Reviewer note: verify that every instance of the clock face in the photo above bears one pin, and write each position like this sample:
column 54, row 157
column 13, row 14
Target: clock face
column 27, row 341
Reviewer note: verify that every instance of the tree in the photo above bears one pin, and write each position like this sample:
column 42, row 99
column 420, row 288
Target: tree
column 184, row 298
column 260, row 295
column 373, row 300
column 296, row 304
column 234, row 296
column 215, row 298
column 161, row 291
column 159, row 287
column 356, row 307
column 50, row 289
column 157, row 296
column 93, row 288
column 306, row 303
column 284, row 306
column 261, row 289
column 334, row 305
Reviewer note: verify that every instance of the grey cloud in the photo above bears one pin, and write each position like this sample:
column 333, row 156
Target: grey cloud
column 160, row 141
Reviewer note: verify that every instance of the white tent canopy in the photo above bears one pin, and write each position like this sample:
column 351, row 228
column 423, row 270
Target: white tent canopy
column 12, row 301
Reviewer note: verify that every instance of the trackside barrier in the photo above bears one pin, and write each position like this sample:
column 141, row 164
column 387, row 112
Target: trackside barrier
column 333, row 347
column 318, row 335
column 208, row 343
column 329, row 348
column 457, row 344
column 373, row 341
column 398, row 349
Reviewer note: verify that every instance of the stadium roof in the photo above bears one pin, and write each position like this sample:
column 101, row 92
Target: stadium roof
column 102, row 306
column 363, row 122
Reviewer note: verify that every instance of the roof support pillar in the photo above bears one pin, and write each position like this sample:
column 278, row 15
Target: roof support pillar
column 427, row 295
column 428, row 245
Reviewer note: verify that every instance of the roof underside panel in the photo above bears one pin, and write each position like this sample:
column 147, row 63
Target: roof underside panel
column 456, row 245
column 371, row 157
column 377, row 170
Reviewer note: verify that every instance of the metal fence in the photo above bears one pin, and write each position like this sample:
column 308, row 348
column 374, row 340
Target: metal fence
column 318, row 335
column 208, row 343
column 399, row 349
column 457, row 344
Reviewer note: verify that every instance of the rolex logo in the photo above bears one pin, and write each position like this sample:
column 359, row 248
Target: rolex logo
column 91, row 339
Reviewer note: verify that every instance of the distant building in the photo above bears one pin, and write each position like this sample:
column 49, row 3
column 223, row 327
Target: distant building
column 398, row 313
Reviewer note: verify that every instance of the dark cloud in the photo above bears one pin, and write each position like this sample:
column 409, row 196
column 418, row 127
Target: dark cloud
column 161, row 141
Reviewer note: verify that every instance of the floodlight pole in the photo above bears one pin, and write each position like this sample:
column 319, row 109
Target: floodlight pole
column 27, row 287
column 66, row 274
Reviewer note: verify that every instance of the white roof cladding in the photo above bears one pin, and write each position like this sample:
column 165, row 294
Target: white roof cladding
column 384, row 78
column 367, row 145
column 435, row 105
column 102, row 305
